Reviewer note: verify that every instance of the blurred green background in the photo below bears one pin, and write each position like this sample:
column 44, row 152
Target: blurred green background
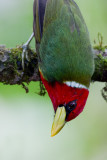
column 26, row 119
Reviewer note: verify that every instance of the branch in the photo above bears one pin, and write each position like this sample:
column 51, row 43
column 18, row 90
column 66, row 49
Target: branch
column 100, row 59
column 100, row 73
column 11, row 71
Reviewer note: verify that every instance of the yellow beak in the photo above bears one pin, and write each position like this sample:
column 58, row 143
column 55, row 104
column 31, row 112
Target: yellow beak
column 59, row 121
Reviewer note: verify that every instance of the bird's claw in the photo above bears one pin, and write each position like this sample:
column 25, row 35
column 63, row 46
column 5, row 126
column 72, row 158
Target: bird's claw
column 25, row 54
column 25, row 48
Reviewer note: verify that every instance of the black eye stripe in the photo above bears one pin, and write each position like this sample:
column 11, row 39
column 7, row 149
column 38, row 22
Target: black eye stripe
column 72, row 102
column 70, row 107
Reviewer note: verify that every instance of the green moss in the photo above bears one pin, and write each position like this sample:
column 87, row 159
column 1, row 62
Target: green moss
column 100, row 67
column 100, row 46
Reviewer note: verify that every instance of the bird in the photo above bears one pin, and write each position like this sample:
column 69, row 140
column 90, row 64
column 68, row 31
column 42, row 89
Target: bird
column 65, row 57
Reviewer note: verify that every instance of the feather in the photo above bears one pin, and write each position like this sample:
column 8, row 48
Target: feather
column 38, row 14
column 65, row 49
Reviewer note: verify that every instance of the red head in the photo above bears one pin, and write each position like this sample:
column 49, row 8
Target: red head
column 62, row 94
column 73, row 99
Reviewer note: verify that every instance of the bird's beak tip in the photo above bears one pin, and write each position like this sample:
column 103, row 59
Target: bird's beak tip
column 59, row 121
column 52, row 134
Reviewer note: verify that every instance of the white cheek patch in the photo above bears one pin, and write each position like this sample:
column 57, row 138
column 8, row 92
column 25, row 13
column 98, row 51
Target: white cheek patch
column 75, row 84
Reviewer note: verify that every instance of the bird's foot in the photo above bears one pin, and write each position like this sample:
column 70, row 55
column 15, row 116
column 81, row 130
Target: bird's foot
column 25, row 48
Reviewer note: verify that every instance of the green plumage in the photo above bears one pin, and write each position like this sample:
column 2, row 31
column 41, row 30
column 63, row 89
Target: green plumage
column 65, row 50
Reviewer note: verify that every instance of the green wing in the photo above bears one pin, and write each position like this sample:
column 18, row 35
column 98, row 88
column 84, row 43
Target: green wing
column 65, row 50
column 36, row 24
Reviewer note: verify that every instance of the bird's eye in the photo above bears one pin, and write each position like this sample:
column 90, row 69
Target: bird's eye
column 71, row 106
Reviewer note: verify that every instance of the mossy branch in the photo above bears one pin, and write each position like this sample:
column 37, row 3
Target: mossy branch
column 11, row 71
